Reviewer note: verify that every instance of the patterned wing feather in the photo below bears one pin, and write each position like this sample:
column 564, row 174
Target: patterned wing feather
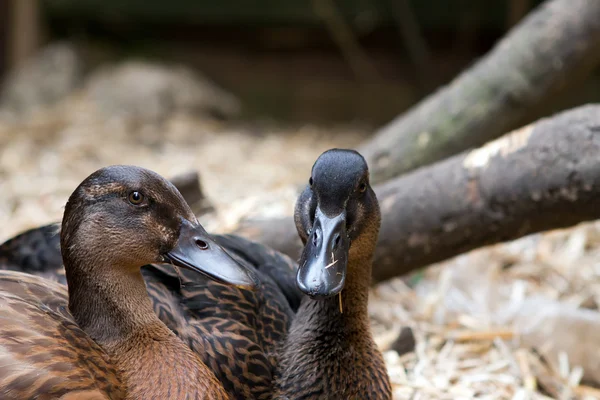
column 235, row 331
column 36, row 251
column 43, row 353
column 280, row 268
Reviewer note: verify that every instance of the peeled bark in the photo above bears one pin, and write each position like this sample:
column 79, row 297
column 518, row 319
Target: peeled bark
column 552, row 49
column 543, row 176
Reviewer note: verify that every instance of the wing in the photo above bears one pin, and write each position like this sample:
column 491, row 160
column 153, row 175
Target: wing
column 235, row 331
column 36, row 251
column 280, row 268
column 43, row 353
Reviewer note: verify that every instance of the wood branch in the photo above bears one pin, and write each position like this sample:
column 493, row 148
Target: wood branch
column 540, row 177
column 552, row 49
column 415, row 43
column 517, row 9
column 189, row 186
column 342, row 34
column 24, row 31
column 4, row 33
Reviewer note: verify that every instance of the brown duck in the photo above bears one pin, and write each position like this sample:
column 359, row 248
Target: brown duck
column 329, row 352
column 103, row 340
column 328, row 347
column 235, row 331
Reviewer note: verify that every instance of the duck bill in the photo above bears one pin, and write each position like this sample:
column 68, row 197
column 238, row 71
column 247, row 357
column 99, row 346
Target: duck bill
column 197, row 251
column 324, row 260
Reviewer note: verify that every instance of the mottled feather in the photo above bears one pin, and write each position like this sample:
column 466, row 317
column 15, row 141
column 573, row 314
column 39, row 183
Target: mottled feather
column 43, row 353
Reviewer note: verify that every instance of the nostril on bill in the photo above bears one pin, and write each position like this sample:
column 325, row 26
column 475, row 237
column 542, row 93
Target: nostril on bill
column 201, row 244
column 315, row 238
column 336, row 241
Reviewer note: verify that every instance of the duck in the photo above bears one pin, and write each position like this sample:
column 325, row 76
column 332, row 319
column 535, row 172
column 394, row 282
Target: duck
column 306, row 327
column 99, row 337
column 329, row 351
column 234, row 330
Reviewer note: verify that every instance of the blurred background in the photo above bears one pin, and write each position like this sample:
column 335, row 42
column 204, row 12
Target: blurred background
column 320, row 61
column 247, row 95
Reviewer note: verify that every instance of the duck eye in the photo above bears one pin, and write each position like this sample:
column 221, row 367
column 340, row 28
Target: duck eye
column 362, row 188
column 135, row 198
column 310, row 181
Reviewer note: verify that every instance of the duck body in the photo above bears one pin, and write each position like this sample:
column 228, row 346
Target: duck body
column 339, row 346
column 330, row 361
column 99, row 338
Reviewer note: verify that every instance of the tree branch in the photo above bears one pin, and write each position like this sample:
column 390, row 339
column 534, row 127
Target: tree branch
column 188, row 184
column 552, row 49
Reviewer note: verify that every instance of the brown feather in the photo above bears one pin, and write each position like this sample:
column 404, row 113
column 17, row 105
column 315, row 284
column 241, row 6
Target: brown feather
column 43, row 353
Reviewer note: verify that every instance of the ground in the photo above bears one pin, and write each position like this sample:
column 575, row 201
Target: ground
column 480, row 320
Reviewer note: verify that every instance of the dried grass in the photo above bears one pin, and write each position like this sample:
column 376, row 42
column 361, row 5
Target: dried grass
column 472, row 316
column 481, row 319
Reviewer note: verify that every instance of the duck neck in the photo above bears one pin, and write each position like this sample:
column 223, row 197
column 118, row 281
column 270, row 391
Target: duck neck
column 112, row 306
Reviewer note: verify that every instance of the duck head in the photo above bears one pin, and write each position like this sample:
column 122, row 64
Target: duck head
column 337, row 207
column 127, row 217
